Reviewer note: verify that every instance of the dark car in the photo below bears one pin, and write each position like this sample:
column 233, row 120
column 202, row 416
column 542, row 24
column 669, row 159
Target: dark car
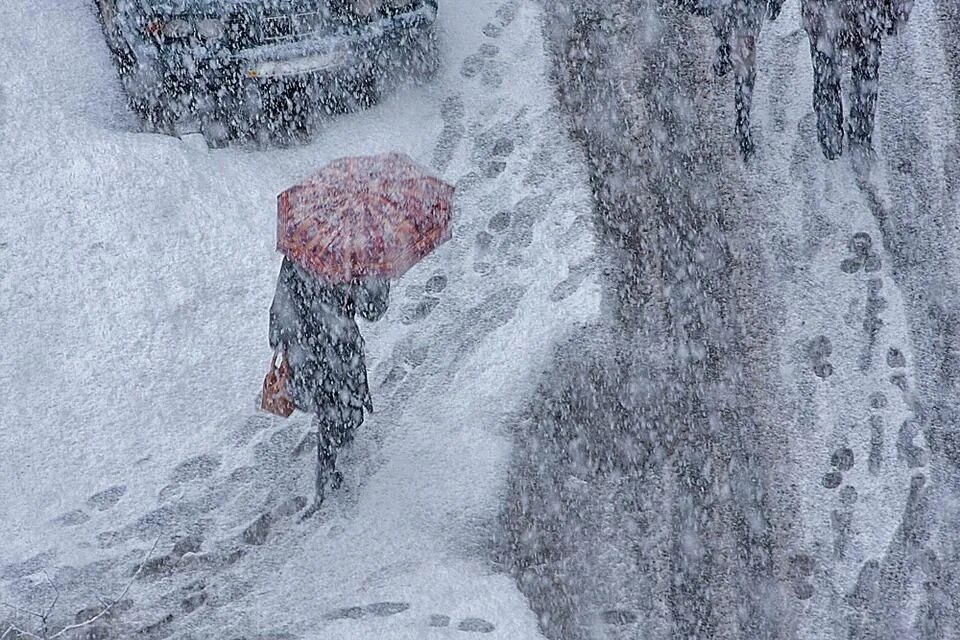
column 237, row 67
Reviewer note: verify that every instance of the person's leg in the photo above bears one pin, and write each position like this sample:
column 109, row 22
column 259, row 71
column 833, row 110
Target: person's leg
column 745, row 70
column 721, row 29
column 863, row 98
column 326, row 463
column 826, row 99
column 334, row 431
column 326, row 456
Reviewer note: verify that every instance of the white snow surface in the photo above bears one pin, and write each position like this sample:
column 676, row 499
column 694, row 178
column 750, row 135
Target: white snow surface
column 136, row 271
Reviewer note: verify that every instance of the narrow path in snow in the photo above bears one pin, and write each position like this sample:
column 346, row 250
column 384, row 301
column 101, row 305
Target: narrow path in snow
column 857, row 332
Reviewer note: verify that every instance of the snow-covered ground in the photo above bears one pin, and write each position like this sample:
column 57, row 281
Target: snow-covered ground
column 857, row 459
column 136, row 271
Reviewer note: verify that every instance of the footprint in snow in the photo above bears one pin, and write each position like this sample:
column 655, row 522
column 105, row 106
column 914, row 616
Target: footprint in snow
column 436, row 283
column 507, row 13
column 818, row 351
column 195, row 468
column 476, row 625
column 452, row 113
column 306, row 445
column 29, row 566
column 377, row 609
column 107, row 499
column 500, row 222
column 258, row 531
column 468, row 181
column 491, row 77
column 895, row 358
column 418, row 311
column 483, row 240
column 483, row 268
column 842, row 459
column 831, row 479
column 470, row 625
column 503, row 147
column 571, row 283
column 471, row 66
column 899, row 380
column 251, row 427
column 242, row 475
column 438, row 620
column 498, row 141
column 71, row 518
column 802, row 589
column 494, row 169
column 801, row 566
column 492, row 30
column 878, row 400
column 864, row 257
column 483, row 64
column 618, row 617
column 427, row 303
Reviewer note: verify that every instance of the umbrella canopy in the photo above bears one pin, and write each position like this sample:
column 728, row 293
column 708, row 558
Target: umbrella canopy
column 369, row 216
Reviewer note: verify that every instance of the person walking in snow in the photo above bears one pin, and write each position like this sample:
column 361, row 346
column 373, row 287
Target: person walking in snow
column 345, row 231
column 858, row 27
column 312, row 323
column 736, row 24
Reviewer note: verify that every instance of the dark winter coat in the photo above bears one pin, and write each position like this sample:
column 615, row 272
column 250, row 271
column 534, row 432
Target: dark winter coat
column 735, row 16
column 840, row 23
column 315, row 323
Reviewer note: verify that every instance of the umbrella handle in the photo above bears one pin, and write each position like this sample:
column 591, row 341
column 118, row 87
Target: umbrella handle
column 281, row 353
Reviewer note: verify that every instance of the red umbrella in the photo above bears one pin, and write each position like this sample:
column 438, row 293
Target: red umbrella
column 364, row 216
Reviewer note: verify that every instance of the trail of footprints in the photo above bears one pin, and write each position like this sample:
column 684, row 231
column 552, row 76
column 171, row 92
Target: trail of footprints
column 483, row 63
column 500, row 244
column 189, row 554
column 843, row 459
column 383, row 609
column 199, row 486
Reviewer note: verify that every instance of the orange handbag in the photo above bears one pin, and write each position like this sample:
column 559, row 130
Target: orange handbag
column 276, row 398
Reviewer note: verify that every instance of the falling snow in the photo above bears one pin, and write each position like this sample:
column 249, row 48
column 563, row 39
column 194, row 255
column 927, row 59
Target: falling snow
column 686, row 367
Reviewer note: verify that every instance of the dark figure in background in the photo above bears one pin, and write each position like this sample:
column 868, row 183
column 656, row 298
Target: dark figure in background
column 737, row 23
column 858, row 27
column 314, row 322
